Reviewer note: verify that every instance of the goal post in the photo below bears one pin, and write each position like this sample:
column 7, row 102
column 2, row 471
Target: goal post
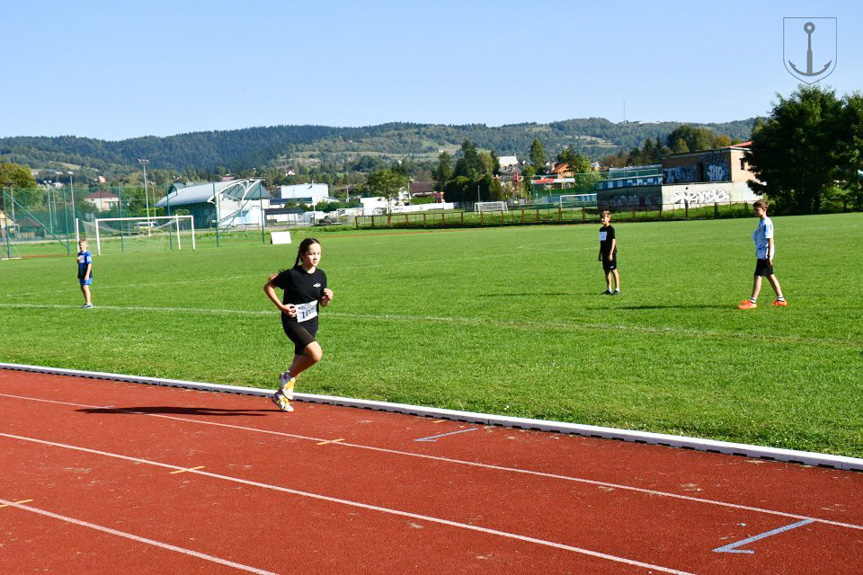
column 490, row 207
column 144, row 227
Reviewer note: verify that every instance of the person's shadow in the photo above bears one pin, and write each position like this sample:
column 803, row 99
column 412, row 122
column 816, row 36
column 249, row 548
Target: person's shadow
column 171, row 410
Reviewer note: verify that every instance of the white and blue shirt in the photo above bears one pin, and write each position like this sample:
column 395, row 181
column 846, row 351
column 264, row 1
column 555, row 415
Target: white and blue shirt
column 761, row 236
column 85, row 259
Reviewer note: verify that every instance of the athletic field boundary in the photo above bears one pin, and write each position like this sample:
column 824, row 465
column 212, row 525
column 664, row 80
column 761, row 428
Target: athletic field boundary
column 646, row 437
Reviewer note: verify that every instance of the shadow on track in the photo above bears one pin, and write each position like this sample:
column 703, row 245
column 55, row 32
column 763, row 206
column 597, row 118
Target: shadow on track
column 171, row 410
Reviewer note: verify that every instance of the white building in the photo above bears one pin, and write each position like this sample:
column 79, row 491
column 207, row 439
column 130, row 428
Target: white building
column 103, row 200
column 309, row 194
column 507, row 161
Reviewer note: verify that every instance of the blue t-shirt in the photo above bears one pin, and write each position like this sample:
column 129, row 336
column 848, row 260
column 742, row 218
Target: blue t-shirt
column 761, row 236
column 85, row 258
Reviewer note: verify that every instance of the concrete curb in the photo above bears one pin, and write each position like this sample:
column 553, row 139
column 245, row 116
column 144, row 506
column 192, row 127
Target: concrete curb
column 709, row 445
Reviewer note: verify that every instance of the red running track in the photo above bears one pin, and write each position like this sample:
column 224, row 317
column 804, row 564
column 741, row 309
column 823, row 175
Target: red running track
column 100, row 476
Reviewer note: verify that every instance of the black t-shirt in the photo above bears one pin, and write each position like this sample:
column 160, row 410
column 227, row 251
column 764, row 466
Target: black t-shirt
column 606, row 235
column 301, row 287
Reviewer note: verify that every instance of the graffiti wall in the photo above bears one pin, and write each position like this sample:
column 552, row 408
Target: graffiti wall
column 698, row 197
column 680, row 174
column 707, row 167
column 706, row 194
column 717, row 172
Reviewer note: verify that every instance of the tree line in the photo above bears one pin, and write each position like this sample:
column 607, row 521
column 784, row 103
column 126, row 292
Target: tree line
column 807, row 154
column 328, row 149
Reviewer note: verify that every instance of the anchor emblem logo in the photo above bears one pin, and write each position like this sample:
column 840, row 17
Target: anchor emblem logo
column 795, row 44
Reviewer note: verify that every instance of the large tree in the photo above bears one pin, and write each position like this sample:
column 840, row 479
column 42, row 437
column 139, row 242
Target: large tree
column 387, row 183
column 537, row 156
column 19, row 182
column 850, row 148
column 578, row 163
column 470, row 164
column 443, row 172
column 686, row 138
column 796, row 151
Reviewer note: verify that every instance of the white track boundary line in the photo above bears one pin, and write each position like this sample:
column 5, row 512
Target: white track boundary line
column 441, row 459
column 136, row 538
column 698, row 444
column 366, row 506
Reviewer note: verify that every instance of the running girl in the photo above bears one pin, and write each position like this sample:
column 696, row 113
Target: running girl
column 305, row 289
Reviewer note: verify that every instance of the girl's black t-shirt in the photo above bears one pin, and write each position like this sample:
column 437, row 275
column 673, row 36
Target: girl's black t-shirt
column 301, row 287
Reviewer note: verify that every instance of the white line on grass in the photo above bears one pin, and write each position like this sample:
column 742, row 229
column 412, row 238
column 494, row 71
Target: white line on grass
column 437, row 458
column 103, row 286
column 521, row 324
column 356, row 504
column 137, row 538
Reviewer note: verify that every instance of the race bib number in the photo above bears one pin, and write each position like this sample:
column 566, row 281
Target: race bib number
column 307, row 311
column 602, row 236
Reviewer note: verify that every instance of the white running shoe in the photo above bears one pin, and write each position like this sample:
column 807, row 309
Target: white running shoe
column 287, row 383
column 282, row 402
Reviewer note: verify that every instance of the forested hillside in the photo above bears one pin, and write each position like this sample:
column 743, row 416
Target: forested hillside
column 270, row 147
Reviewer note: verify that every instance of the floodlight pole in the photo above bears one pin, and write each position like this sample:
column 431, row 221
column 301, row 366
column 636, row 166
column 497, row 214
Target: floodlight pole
column 74, row 215
column 146, row 194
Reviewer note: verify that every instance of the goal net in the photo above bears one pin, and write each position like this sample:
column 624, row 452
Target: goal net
column 156, row 233
column 490, row 207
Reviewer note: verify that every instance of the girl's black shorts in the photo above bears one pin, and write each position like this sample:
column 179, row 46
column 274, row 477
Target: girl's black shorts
column 302, row 334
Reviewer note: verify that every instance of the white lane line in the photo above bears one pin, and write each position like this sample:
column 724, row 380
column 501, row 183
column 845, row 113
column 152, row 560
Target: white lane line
column 433, row 438
column 137, row 538
column 733, row 547
column 467, row 463
column 357, row 504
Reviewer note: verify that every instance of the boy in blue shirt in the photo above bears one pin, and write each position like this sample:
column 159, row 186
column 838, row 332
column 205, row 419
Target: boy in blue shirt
column 85, row 271
column 765, row 250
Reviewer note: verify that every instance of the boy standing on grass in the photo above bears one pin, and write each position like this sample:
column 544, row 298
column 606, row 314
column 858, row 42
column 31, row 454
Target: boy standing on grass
column 608, row 254
column 85, row 271
column 765, row 250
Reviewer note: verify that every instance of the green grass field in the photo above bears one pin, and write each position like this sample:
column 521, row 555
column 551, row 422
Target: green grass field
column 500, row 320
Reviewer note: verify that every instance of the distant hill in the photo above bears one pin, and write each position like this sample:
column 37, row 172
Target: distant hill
column 283, row 145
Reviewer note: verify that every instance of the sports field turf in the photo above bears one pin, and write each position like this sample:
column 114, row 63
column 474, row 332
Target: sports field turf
column 499, row 320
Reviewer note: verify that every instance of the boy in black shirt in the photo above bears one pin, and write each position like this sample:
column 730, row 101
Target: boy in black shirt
column 608, row 254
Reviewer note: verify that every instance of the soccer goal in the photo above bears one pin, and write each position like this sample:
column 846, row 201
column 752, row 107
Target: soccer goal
column 490, row 207
column 142, row 233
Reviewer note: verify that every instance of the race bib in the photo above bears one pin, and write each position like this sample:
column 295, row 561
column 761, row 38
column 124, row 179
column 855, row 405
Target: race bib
column 307, row 311
column 602, row 236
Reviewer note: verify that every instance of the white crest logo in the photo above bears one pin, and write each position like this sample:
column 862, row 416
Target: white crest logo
column 809, row 48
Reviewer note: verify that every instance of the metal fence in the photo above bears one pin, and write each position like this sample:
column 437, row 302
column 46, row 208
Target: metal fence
column 552, row 214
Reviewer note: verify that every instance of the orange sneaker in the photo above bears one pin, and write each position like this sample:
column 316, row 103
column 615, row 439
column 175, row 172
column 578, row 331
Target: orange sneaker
column 781, row 302
column 747, row 304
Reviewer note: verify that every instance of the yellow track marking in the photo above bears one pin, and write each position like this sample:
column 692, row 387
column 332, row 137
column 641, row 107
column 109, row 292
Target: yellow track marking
column 185, row 470
column 17, row 503
column 333, row 441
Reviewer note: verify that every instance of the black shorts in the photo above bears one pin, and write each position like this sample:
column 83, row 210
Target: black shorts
column 302, row 334
column 609, row 264
column 763, row 268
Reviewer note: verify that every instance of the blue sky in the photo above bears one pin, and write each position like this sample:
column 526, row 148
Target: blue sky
column 114, row 70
